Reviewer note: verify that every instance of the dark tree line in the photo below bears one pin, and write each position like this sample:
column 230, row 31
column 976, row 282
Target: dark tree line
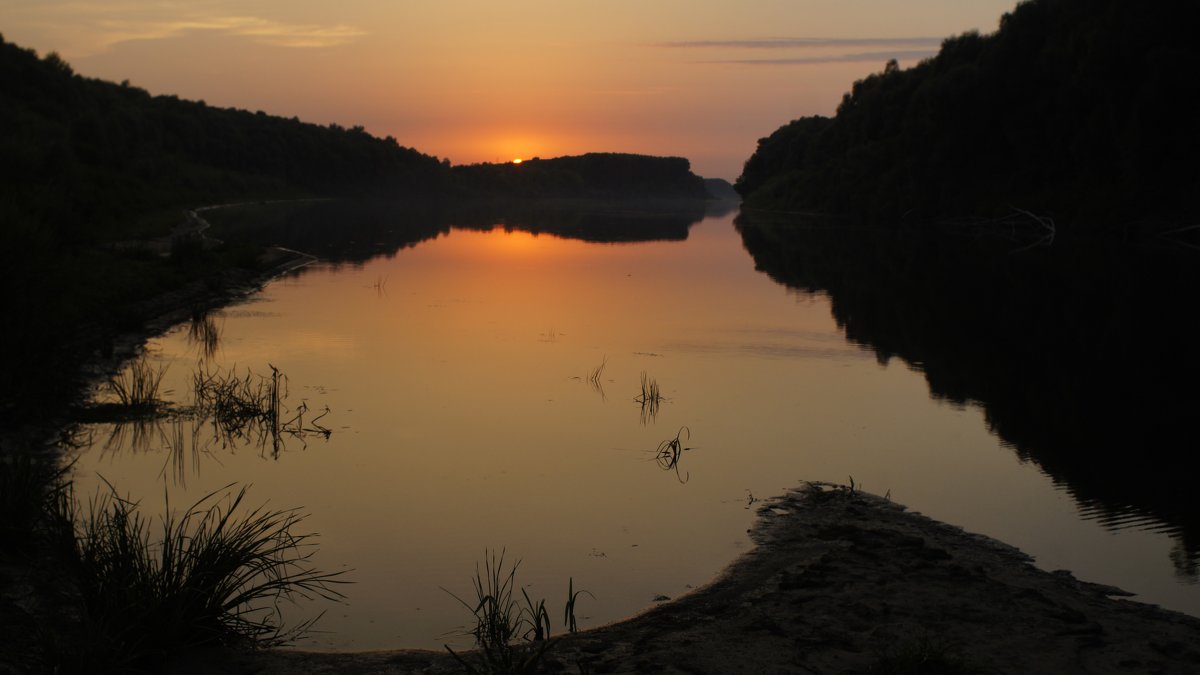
column 83, row 157
column 1081, row 110
column 594, row 175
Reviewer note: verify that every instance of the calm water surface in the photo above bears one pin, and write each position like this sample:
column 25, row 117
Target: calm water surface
column 456, row 374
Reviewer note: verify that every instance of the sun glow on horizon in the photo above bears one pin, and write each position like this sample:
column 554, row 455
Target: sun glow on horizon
column 517, row 160
column 559, row 79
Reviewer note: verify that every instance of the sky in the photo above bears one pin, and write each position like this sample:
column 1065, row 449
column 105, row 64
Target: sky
column 483, row 81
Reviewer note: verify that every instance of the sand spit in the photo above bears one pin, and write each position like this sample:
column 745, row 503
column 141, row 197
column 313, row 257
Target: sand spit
column 842, row 582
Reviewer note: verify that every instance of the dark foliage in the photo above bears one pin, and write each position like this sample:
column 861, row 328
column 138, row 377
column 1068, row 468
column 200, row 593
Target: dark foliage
column 1083, row 110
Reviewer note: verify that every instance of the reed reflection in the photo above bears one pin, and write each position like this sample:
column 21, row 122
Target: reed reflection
column 229, row 411
column 204, row 333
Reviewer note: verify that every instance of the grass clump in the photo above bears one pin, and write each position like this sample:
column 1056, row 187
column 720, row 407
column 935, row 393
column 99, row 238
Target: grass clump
column 210, row 575
column 137, row 387
column 512, row 635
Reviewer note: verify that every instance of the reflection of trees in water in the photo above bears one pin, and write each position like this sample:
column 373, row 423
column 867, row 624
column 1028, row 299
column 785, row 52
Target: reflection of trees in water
column 341, row 231
column 1079, row 353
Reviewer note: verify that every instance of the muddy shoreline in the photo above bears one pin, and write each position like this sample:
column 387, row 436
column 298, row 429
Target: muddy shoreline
column 842, row 582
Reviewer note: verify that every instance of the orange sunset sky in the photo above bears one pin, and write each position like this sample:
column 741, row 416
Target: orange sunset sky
column 480, row 81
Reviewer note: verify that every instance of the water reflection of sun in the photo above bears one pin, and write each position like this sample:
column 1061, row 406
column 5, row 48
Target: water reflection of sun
column 502, row 246
column 516, row 241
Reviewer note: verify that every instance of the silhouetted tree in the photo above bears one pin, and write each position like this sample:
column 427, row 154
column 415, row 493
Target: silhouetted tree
column 1079, row 109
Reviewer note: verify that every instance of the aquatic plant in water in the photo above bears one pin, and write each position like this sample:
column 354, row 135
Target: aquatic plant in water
column 670, row 451
column 252, row 407
column 650, row 398
column 594, row 375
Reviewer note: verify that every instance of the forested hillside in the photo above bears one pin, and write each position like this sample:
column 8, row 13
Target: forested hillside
column 83, row 156
column 1083, row 111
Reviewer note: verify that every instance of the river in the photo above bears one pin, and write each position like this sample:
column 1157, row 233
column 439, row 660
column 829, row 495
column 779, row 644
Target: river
column 482, row 388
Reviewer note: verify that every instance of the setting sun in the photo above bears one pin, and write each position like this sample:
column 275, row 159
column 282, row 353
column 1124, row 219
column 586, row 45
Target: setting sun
column 517, row 160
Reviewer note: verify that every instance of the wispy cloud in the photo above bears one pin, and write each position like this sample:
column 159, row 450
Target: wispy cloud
column 858, row 57
column 789, row 51
column 94, row 27
column 805, row 43
column 265, row 31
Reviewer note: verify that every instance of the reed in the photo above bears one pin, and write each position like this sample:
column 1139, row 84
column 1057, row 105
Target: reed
column 650, row 391
column 569, row 621
column 595, row 373
column 650, row 399
column 512, row 635
column 240, row 404
column 594, row 376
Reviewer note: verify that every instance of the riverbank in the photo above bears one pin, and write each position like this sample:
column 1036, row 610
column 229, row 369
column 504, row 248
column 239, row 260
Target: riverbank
column 169, row 309
column 843, row 582
column 35, row 598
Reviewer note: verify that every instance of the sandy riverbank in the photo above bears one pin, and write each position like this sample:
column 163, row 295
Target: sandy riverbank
column 844, row 582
